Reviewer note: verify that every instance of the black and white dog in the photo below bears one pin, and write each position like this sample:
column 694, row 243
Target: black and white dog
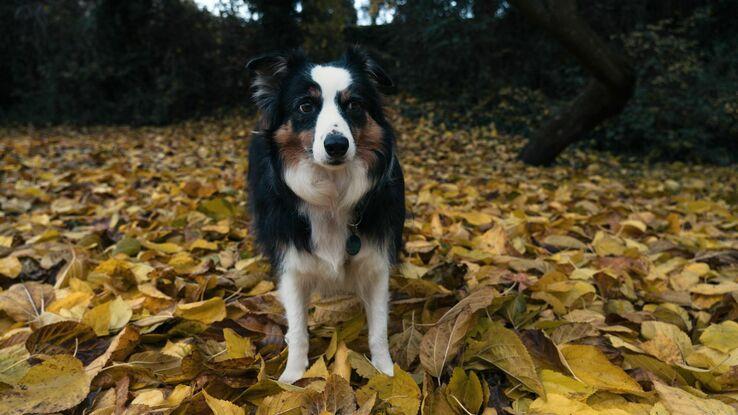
column 326, row 189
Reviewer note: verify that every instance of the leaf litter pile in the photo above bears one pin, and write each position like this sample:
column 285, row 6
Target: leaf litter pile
column 130, row 283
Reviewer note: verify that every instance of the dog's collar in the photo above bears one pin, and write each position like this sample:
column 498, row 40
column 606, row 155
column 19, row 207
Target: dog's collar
column 353, row 242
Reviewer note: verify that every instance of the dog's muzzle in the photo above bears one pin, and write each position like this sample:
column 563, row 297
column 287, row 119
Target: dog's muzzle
column 336, row 145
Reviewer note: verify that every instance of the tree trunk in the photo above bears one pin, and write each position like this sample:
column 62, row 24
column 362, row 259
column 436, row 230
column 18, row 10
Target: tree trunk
column 609, row 89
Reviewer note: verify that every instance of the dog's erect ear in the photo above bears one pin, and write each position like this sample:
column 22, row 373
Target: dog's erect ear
column 358, row 57
column 273, row 64
column 267, row 72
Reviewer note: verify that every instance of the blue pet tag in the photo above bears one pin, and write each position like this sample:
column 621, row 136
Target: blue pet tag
column 353, row 244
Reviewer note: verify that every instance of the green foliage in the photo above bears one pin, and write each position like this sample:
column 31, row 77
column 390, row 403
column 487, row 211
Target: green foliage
column 685, row 104
column 107, row 61
column 322, row 26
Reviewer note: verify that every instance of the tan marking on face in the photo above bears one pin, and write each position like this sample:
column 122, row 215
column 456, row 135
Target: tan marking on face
column 314, row 92
column 369, row 138
column 345, row 95
column 293, row 146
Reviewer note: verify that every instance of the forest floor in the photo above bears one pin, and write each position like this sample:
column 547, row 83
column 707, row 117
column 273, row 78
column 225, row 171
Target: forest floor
column 130, row 283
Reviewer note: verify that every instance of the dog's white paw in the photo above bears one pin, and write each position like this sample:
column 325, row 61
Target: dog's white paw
column 384, row 365
column 291, row 375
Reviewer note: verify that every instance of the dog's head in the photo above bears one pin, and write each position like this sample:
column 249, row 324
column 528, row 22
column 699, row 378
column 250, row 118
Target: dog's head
column 328, row 114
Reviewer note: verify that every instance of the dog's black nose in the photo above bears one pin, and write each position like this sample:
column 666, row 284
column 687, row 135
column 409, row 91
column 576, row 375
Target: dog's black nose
column 336, row 145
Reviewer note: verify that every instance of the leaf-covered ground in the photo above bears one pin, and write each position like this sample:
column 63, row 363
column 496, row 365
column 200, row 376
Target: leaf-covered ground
column 130, row 283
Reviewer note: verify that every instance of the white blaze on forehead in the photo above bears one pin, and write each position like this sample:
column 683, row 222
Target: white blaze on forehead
column 332, row 80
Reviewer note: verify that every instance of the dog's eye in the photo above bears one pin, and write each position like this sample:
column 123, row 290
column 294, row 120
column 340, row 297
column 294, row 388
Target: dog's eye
column 307, row 108
column 354, row 106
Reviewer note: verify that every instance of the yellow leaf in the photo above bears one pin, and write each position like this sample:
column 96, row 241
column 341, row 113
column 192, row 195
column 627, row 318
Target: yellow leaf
column 127, row 245
column 182, row 262
column 555, row 404
column 465, row 390
column 114, row 268
column 179, row 394
column 237, row 347
column 206, row 312
column 664, row 348
column 475, row 218
column 284, row 403
column 317, row 370
column 412, row 271
column 150, row 290
column 680, row 402
column 75, row 299
column 436, row 226
column 653, row 329
column 564, row 241
column 6, row 241
column 503, row 348
column 400, row 392
column 221, row 407
column 583, row 274
column 635, row 224
column 437, row 402
column 591, row 366
column 203, row 244
column 442, row 342
column 217, row 208
column 721, row 288
column 75, row 268
column 112, row 315
column 48, row 235
column 120, row 314
column 262, row 287
column 10, row 267
column 557, row 383
column 605, row 244
column 420, row 246
column 362, row 365
column 57, row 384
column 13, row 363
column 167, row 248
column 341, row 365
column 493, row 241
column 722, row 337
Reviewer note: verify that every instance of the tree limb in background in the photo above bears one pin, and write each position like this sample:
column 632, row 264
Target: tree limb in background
column 608, row 91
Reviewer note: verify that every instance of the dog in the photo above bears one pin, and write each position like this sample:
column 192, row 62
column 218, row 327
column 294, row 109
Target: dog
column 326, row 190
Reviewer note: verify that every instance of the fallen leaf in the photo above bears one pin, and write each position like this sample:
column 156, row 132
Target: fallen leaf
column 221, row 407
column 26, row 301
column 109, row 316
column 465, row 390
column 680, row 402
column 723, row 336
column 400, row 392
column 10, row 267
column 503, row 348
column 57, row 384
column 442, row 342
column 237, row 347
column 206, row 312
column 591, row 366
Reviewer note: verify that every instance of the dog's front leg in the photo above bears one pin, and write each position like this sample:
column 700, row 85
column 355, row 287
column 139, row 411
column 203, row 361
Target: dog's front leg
column 375, row 296
column 294, row 297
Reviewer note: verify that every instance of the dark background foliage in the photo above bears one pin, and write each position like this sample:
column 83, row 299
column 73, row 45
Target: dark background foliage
column 159, row 61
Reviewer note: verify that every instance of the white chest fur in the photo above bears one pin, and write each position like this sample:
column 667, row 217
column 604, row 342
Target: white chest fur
column 329, row 197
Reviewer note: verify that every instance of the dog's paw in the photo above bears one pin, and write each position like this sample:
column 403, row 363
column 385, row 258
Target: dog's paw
column 384, row 365
column 291, row 375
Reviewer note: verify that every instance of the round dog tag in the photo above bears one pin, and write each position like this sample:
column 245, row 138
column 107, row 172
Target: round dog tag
column 353, row 244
